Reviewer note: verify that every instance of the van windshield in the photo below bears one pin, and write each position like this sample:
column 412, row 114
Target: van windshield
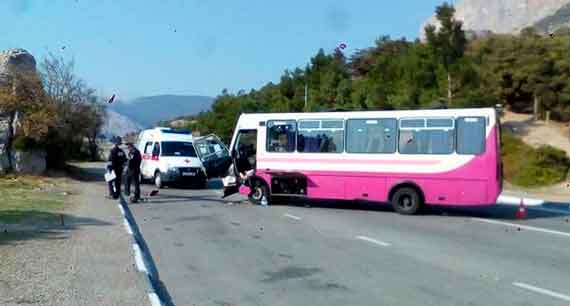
column 178, row 148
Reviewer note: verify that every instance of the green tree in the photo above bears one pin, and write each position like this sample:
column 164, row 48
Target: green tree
column 448, row 42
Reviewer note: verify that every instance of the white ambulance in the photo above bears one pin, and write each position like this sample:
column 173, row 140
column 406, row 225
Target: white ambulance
column 169, row 156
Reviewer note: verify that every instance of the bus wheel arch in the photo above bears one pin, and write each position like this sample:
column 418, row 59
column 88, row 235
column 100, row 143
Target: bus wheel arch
column 407, row 198
column 259, row 188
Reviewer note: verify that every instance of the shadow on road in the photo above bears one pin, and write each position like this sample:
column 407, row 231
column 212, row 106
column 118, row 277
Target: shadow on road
column 49, row 227
column 503, row 212
column 86, row 173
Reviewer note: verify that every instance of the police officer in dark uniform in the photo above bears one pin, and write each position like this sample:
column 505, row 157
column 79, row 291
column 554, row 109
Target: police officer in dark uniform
column 133, row 172
column 116, row 162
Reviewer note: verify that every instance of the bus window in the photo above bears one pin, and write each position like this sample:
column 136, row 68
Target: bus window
column 371, row 135
column 321, row 136
column 281, row 136
column 471, row 135
column 436, row 136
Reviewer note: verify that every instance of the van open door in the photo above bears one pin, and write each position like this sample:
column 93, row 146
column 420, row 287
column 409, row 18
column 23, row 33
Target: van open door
column 214, row 155
column 243, row 158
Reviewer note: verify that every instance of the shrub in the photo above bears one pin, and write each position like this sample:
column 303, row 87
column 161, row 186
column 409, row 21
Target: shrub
column 530, row 167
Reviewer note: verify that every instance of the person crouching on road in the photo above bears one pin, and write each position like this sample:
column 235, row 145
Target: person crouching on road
column 133, row 172
column 116, row 162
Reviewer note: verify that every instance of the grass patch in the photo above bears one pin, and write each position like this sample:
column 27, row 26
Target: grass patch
column 529, row 167
column 30, row 198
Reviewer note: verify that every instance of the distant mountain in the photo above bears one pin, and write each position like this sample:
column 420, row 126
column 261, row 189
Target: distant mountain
column 507, row 16
column 552, row 23
column 149, row 110
column 118, row 125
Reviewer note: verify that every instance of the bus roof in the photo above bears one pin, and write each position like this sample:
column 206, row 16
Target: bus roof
column 247, row 119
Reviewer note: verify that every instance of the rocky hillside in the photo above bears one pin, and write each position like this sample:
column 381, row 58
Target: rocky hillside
column 118, row 125
column 504, row 16
column 561, row 18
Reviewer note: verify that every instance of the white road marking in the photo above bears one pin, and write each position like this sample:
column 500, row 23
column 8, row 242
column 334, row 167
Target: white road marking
column 543, row 291
column 127, row 226
column 526, row 227
column 138, row 259
column 154, row 300
column 515, row 200
column 122, row 209
column 378, row 242
column 292, row 217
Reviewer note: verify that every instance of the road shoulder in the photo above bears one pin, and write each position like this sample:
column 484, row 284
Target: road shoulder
column 86, row 261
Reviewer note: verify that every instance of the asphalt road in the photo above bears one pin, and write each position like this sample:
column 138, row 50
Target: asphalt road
column 210, row 251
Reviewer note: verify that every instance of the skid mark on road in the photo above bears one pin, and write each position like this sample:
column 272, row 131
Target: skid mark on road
column 525, row 227
column 371, row 240
column 292, row 217
column 543, row 291
column 290, row 272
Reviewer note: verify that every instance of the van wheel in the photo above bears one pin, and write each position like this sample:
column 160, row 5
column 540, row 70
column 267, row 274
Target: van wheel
column 158, row 180
column 258, row 190
column 406, row 201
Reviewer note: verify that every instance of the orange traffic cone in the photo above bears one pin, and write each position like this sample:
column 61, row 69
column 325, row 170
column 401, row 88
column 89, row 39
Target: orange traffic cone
column 521, row 211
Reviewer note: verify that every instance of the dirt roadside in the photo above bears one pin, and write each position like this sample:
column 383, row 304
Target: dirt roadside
column 537, row 133
column 87, row 261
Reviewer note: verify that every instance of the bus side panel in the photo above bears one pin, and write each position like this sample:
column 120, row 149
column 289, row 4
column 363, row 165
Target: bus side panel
column 325, row 187
column 368, row 188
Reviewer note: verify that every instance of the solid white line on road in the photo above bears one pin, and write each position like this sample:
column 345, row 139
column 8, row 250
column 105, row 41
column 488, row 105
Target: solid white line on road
column 292, row 217
column 122, row 209
column 138, row 259
column 514, row 200
column 154, row 300
column 543, row 291
column 127, row 226
column 526, row 227
column 378, row 242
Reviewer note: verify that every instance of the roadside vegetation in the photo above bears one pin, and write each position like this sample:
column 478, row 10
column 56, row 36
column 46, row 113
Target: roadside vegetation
column 57, row 112
column 452, row 68
column 529, row 167
column 30, row 198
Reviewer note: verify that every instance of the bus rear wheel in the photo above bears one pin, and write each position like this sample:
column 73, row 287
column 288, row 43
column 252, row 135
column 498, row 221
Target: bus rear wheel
column 258, row 191
column 407, row 201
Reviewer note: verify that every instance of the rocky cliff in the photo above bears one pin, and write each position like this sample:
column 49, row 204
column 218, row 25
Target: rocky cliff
column 31, row 162
column 118, row 125
column 501, row 16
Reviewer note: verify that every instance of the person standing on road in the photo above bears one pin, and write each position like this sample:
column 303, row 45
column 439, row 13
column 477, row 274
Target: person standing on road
column 116, row 162
column 133, row 172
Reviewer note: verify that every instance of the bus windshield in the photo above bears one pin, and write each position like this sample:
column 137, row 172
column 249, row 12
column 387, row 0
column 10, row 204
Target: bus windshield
column 178, row 148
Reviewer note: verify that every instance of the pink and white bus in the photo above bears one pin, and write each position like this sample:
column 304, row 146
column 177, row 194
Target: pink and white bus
column 406, row 158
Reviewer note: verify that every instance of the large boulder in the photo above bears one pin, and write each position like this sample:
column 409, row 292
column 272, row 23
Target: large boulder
column 15, row 60
column 30, row 162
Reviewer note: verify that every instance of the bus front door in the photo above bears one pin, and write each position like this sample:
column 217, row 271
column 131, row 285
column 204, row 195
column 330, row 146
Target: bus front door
column 243, row 156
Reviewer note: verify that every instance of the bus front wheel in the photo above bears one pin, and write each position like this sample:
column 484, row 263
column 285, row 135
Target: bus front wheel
column 406, row 201
column 258, row 191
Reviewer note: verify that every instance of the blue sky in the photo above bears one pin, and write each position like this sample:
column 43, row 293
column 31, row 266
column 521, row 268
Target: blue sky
column 147, row 47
